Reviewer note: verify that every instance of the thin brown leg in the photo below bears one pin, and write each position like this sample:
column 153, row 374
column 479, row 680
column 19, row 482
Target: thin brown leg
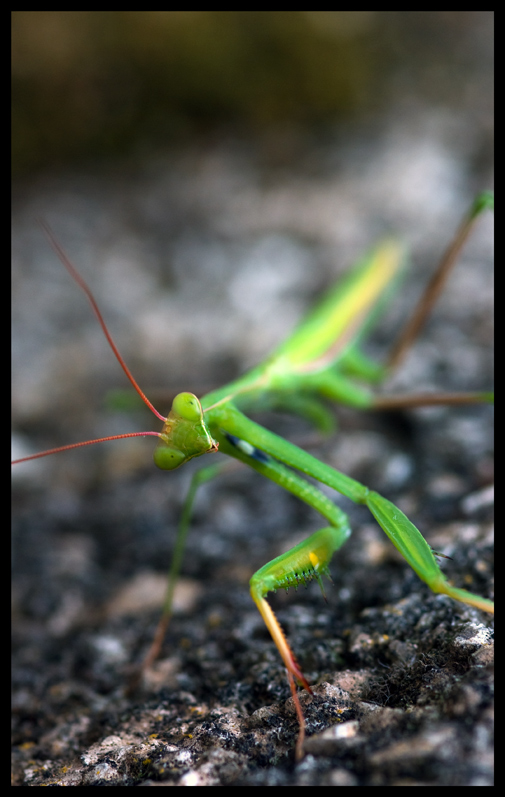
column 415, row 323
column 301, row 719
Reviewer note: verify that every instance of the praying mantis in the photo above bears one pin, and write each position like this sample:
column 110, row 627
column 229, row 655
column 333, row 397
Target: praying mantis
column 319, row 363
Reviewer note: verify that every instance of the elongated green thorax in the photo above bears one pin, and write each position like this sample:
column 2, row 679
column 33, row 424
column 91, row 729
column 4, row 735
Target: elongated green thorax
column 184, row 435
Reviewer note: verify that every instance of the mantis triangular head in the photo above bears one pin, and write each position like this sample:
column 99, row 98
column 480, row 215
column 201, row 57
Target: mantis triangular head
column 184, row 435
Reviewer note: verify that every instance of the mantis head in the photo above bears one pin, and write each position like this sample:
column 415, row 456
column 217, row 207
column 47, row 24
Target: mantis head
column 184, row 435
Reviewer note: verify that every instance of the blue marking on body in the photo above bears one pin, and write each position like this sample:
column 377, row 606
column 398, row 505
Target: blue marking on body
column 247, row 448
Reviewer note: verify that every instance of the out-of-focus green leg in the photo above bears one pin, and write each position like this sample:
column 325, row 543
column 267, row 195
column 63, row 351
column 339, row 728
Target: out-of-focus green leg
column 200, row 477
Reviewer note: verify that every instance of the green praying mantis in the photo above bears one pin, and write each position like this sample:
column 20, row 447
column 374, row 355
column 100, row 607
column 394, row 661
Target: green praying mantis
column 319, row 364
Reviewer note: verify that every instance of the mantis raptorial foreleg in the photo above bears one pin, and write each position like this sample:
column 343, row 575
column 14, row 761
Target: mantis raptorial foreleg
column 400, row 530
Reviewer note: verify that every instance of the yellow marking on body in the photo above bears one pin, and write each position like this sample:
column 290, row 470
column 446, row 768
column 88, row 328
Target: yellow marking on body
column 314, row 560
column 343, row 321
column 384, row 266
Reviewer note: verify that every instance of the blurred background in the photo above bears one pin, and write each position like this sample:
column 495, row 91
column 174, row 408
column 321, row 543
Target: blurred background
column 210, row 173
column 89, row 85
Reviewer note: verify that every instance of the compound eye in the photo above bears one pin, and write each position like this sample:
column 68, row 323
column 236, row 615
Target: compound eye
column 188, row 407
column 168, row 458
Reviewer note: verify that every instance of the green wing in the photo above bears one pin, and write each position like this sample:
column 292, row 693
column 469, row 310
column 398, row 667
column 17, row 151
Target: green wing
column 344, row 314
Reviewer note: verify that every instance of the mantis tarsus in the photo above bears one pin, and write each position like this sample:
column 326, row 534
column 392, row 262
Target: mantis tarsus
column 319, row 362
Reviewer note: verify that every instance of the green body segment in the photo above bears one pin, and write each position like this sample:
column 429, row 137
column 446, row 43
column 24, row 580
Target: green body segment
column 344, row 314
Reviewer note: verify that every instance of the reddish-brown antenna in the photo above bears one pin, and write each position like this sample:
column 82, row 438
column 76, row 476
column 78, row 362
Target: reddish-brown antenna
column 87, row 290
